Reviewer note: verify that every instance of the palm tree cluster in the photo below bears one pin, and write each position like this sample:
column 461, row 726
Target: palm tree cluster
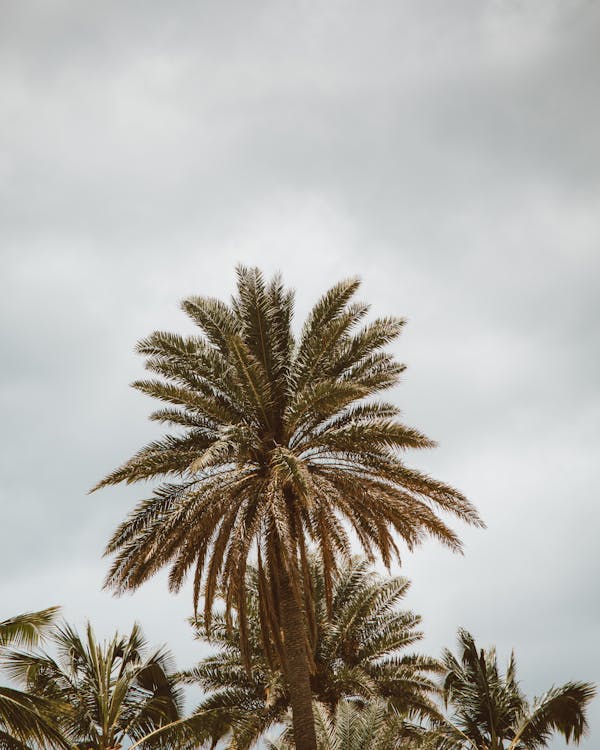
column 368, row 693
column 280, row 455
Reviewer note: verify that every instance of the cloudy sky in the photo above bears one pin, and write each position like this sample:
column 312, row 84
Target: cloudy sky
column 448, row 153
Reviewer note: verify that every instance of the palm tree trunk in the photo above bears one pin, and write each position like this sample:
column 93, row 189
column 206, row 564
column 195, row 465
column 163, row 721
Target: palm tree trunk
column 297, row 668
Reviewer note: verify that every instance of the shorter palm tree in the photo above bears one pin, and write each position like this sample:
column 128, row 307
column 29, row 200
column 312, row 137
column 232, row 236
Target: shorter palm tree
column 25, row 718
column 354, row 726
column 107, row 693
column 490, row 712
column 357, row 650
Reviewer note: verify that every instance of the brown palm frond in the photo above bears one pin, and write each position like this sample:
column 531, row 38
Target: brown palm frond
column 280, row 440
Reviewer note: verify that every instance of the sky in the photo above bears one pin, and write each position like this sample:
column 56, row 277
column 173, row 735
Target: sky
column 448, row 153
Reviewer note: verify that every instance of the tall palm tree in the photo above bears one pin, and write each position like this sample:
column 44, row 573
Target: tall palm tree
column 278, row 440
column 109, row 693
column 23, row 717
column 490, row 712
column 357, row 652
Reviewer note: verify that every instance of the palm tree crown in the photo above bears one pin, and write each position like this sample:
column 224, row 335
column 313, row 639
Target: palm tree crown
column 279, row 440
column 357, row 653
column 490, row 712
column 105, row 693
column 277, row 444
column 24, row 717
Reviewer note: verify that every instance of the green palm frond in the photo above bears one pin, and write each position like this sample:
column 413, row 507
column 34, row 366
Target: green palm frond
column 10, row 742
column 28, row 629
column 26, row 718
column 562, row 709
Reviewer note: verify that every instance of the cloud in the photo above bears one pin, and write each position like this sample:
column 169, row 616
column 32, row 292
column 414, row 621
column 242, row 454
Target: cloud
column 449, row 155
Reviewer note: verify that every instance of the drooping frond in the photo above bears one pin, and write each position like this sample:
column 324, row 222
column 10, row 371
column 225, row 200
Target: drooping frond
column 562, row 709
column 25, row 719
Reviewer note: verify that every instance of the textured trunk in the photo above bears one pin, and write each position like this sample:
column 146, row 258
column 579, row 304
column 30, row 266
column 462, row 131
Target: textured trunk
column 297, row 669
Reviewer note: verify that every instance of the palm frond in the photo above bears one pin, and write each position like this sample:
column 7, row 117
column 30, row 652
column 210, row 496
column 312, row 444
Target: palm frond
column 26, row 718
column 562, row 709
column 28, row 629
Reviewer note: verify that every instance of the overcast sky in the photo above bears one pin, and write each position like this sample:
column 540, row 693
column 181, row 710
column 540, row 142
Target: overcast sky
column 447, row 152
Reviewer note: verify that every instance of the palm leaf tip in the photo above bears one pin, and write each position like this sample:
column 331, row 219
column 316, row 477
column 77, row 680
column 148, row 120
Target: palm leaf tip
column 27, row 629
column 562, row 709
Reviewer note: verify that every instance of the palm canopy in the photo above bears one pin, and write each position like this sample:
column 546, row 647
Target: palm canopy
column 358, row 652
column 25, row 718
column 279, row 439
column 105, row 693
column 490, row 712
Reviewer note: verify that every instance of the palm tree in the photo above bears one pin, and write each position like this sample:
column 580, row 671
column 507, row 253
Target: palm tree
column 23, row 717
column 357, row 727
column 357, row 653
column 109, row 693
column 279, row 440
column 490, row 712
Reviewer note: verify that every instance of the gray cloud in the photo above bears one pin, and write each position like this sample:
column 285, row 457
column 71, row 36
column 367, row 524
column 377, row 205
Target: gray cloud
column 446, row 153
